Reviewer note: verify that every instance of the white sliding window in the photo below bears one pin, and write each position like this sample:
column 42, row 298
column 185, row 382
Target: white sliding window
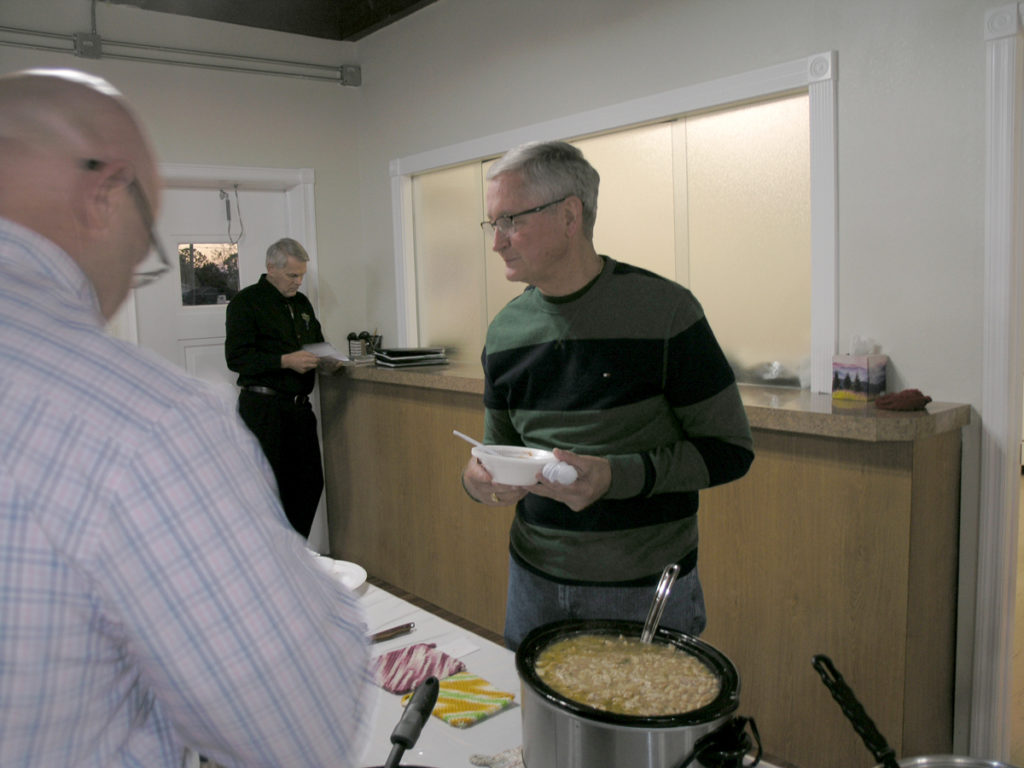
column 733, row 196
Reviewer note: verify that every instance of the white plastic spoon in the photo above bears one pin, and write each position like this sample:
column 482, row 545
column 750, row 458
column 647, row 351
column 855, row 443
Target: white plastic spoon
column 467, row 438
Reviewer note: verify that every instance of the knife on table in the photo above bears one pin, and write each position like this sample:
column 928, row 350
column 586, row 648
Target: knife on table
column 388, row 634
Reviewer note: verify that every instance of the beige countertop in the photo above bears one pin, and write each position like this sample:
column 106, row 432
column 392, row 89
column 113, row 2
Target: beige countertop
column 780, row 409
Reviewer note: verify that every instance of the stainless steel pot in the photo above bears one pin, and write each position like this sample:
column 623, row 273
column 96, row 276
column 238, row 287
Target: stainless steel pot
column 872, row 737
column 561, row 733
column 950, row 761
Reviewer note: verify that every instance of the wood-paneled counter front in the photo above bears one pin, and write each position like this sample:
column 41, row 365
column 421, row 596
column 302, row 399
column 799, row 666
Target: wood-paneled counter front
column 842, row 539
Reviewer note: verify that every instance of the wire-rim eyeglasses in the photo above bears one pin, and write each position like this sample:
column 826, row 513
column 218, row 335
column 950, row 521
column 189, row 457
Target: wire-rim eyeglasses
column 140, row 278
column 507, row 224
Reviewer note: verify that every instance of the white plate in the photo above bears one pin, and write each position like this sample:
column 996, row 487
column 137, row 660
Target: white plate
column 349, row 574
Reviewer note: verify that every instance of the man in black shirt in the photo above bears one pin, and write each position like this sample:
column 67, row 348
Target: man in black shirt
column 267, row 325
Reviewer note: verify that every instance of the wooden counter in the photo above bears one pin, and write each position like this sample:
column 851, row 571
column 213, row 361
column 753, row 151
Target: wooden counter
column 842, row 539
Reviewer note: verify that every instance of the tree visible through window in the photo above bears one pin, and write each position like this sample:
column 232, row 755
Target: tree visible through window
column 209, row 273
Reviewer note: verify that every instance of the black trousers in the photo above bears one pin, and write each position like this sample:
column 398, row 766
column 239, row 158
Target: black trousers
column 287, row 434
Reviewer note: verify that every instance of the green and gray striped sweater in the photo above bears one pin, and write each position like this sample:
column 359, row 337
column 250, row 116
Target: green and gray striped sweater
column 629, row 369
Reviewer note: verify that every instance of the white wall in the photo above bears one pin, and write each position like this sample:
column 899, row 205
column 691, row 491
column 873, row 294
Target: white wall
column 218, row 118
column 911, row 97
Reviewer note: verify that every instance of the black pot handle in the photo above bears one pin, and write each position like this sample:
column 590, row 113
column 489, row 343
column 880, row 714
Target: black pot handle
column 413, row 718
column 854, row 711
column 726, row 746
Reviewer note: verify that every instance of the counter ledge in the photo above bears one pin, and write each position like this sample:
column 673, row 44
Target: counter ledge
column 779, row 409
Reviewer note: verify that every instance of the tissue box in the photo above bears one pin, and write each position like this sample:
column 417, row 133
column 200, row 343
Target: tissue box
column 858, row 377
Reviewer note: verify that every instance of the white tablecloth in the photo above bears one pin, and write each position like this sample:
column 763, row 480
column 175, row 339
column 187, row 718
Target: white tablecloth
column 440, row 745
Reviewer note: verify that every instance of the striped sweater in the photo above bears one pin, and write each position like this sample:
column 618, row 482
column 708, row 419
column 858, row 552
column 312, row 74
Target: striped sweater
column 629, row 369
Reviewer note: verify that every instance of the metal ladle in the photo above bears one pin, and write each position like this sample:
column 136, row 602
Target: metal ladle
column 668, row 578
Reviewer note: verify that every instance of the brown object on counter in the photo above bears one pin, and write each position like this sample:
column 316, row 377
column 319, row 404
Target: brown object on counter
column 389, row 634
column 907, row 400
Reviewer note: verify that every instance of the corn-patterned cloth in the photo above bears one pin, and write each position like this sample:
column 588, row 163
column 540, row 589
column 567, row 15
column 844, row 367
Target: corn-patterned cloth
column 404, row 669
column 465, row 698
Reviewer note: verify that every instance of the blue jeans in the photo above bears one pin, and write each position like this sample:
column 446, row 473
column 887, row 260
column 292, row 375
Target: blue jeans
column 534, row 600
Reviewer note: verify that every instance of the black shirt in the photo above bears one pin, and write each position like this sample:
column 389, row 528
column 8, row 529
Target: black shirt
column 262, row 324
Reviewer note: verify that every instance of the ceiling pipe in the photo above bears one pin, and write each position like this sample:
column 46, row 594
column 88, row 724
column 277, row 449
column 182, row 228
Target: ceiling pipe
column 90, row 45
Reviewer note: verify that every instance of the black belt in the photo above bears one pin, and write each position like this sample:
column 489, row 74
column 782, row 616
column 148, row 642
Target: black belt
column 297, row 399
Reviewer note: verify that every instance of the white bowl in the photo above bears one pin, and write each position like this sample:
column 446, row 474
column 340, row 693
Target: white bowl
column 513, row 464
column 349, row 574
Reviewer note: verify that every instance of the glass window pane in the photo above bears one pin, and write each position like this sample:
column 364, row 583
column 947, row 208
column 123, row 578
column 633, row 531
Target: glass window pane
column 635, row 220
column 450, row 289
column 209, row 273
column 748, row 180
column 719, row 202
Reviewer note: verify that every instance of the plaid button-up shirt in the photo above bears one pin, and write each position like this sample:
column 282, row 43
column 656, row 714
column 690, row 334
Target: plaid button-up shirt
column 153, row 597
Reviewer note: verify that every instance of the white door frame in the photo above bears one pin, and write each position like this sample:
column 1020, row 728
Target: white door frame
column 998, row 514
column 296, row 184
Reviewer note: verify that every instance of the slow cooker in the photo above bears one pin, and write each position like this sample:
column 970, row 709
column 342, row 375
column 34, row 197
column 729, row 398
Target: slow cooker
column 561, row 733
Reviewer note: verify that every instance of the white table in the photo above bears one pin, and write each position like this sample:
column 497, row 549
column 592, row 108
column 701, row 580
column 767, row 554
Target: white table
column 440, row 745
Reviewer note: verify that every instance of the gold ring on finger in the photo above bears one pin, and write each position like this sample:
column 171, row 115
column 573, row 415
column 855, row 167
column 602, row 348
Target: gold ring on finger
column 494, row 498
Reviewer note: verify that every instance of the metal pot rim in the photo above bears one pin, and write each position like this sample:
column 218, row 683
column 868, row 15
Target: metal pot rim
column 950, row 761
column 538, row 639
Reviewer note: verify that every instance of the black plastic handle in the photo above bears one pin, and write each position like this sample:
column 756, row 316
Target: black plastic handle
column 416, row 713
column 726, row 746
column 413, row 718
column 854, row 711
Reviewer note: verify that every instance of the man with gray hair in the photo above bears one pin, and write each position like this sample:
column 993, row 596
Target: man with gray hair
column 267, row 326
column 617, row 371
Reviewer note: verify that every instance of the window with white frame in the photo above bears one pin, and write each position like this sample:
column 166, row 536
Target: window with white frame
column 732, row 194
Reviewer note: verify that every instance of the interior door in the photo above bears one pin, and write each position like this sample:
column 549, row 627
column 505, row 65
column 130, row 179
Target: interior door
column 276, row 204
column 192, row 336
